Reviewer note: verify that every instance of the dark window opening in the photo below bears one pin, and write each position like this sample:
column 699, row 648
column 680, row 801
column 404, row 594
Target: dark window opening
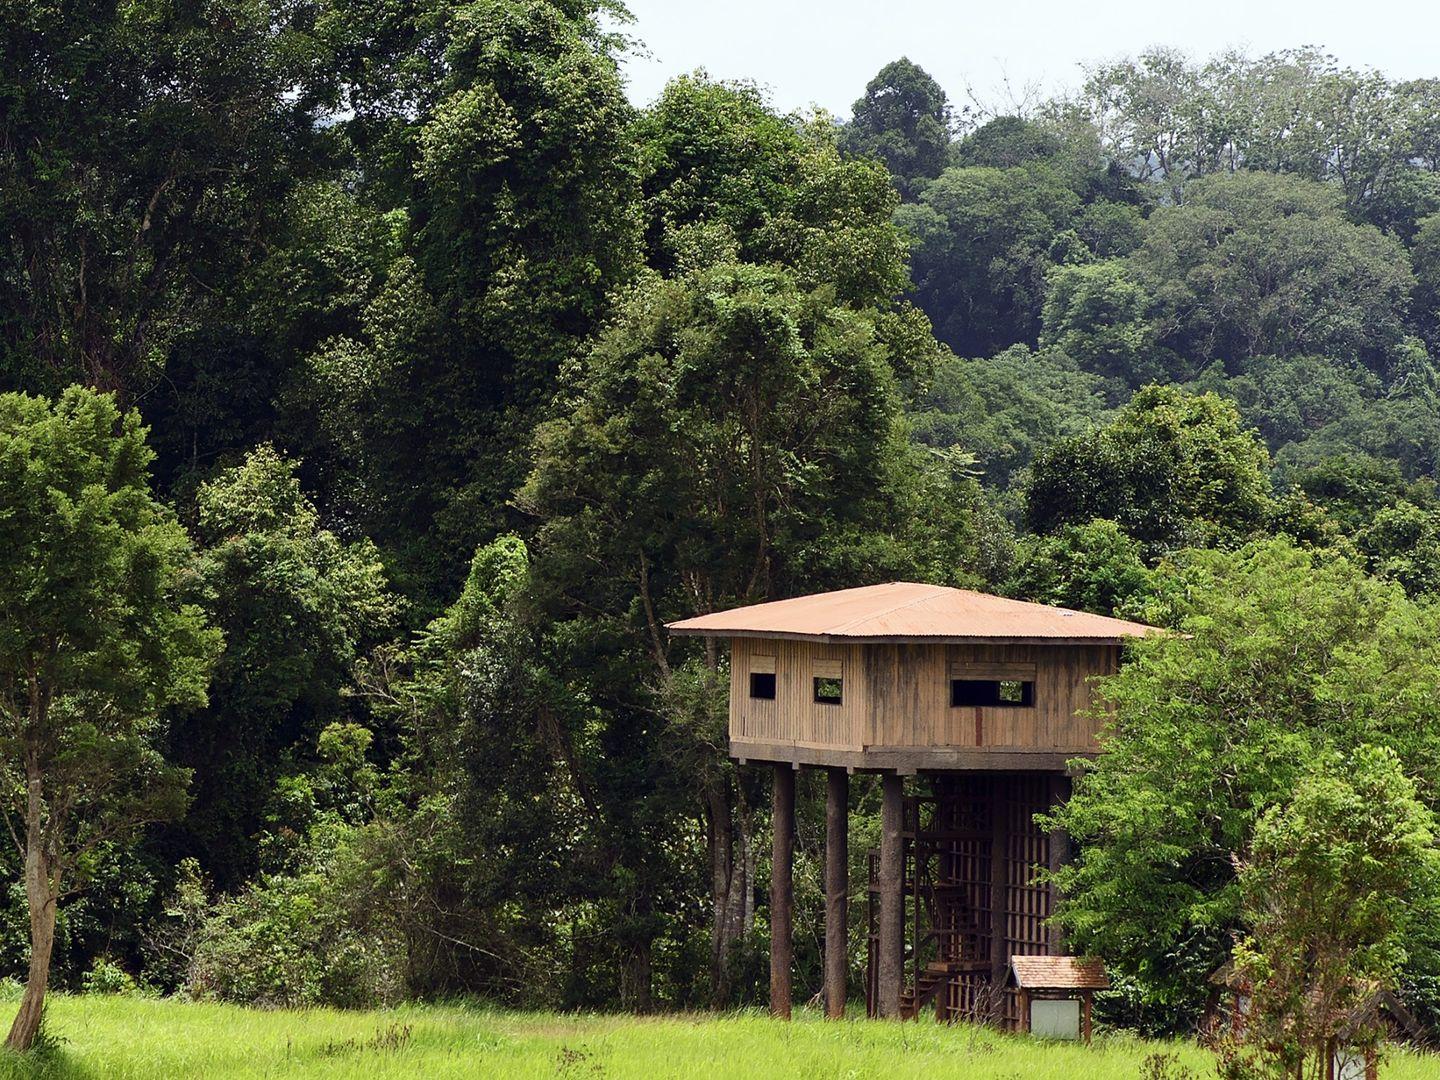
column 1003, row 693
column 762, row 685
column 827, row 691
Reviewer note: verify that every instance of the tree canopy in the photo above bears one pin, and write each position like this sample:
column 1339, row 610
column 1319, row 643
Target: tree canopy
column 434, row 374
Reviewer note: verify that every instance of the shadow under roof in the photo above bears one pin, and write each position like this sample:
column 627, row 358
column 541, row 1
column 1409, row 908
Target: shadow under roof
column 908, row 611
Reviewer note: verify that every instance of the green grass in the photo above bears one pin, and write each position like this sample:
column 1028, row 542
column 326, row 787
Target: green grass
column 119, row 1037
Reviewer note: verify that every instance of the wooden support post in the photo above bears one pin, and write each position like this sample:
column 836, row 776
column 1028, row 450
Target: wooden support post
column 782, row 888
column 1088, row 1001
column 1059, row 855
column 999, row 900
column 891, row 932
column 837, row 879
column 1024, row 1010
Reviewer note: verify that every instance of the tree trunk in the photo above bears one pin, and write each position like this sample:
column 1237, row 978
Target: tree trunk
column 732, row 870
column 42, row 889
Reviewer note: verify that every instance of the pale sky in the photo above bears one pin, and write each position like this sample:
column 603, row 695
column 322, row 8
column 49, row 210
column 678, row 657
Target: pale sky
column 823, row 53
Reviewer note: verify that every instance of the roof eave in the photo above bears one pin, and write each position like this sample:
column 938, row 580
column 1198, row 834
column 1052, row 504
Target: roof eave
column 908, row 639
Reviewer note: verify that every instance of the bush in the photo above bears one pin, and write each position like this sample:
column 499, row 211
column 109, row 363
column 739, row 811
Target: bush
column 302, row 939
column 107, row 978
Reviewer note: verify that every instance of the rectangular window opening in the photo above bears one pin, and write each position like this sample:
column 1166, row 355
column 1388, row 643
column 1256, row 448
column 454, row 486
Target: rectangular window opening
column 992, row 693
column 762, row 685
column 828, row 691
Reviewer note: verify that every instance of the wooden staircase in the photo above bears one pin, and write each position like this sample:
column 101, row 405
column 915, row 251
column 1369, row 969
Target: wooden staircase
column 932, row 978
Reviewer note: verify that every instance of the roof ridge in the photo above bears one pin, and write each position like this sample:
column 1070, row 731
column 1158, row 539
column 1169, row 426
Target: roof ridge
column 933, row 590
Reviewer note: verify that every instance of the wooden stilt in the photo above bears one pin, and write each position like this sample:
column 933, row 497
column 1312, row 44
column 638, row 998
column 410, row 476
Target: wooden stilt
column 837, row 867
column 782, row 889
column 1059, row 855
column 999, row 900
column 891, row 931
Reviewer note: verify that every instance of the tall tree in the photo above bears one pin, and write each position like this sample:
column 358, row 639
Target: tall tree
column 298, row 607
column 1255, row 264
column 903, row 119
column 495, row 136
column 733, row 435
column 982, row 252
column 1172, row 469
column 1339, row 882
column 98, row 642
column 143, row 150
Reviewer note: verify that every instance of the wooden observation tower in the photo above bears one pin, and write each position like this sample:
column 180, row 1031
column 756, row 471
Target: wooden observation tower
column 981, row 700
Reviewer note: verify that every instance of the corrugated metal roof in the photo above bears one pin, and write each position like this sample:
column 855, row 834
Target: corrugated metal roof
column 1059, row 973
column 905, row 610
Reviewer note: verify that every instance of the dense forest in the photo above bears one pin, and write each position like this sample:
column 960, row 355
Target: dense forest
column 437, row 377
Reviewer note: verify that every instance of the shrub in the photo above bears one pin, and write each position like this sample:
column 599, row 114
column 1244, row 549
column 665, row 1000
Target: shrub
column 302, row 939
column 105, row 977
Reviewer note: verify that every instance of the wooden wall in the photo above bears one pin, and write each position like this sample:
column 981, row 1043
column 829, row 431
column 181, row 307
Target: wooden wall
column 794, row 717
column 899, row 695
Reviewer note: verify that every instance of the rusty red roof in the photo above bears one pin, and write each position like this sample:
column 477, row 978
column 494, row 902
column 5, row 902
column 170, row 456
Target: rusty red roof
column 906, row 610
column 1059, row 973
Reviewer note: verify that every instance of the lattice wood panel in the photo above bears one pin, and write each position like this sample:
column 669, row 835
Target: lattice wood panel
column 953, row 887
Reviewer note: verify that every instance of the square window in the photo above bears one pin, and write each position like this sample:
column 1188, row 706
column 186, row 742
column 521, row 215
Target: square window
column 1013, row 692
column 828, row 691
column 762, row 685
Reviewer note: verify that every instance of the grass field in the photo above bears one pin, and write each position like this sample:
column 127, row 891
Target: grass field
column 119, row 1037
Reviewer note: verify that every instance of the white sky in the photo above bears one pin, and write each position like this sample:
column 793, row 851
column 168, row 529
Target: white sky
column 823, row 53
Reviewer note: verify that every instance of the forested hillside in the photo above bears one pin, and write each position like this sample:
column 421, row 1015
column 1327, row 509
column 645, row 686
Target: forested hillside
column 460, row 375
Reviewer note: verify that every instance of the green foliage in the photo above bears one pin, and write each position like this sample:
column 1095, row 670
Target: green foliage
column 107, row 978
column 904, row 120
column 981, row 258
column 508, row 167
column 1286, row 656
column 302, row 939
column 1339, row 880
column 1006, row 409
column 728, row 388
column 1090, row 567
column 298, row 607
column 1007, row 142
column 1292, row 399
column 1401, row 543
column 1098, row 314
column 1172, row 470
column 725, row 178
column 1353, row 488
column 124, row 210
column 1425, row 256
column 1252, row 264
column 1295, row 111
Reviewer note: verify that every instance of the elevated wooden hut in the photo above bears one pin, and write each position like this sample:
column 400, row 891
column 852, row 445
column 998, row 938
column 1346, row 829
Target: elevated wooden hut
column 981, row 699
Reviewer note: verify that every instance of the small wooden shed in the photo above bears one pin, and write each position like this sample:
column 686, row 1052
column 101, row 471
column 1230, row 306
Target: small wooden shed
column 1057, row 994
column 980, row 703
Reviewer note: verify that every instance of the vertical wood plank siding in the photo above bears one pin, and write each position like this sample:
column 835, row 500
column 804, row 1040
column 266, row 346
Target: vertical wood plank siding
column 899, row 695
